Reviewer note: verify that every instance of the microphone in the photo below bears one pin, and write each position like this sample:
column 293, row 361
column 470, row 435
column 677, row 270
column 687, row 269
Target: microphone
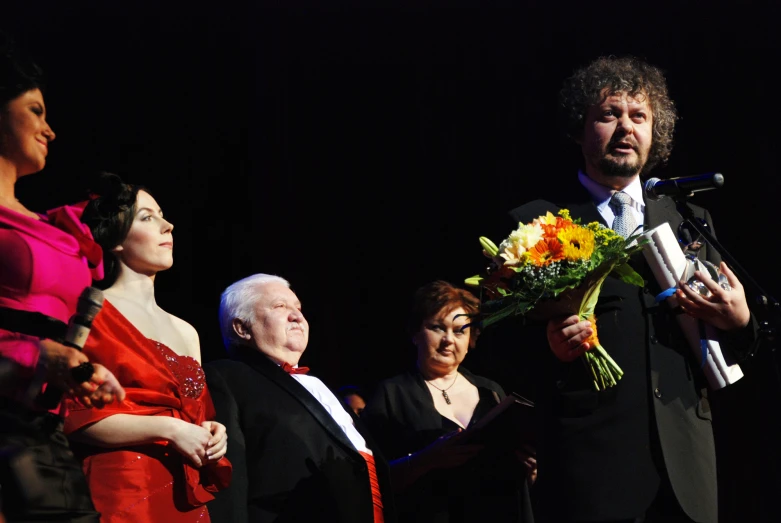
column 683, row 186
column 89, row 304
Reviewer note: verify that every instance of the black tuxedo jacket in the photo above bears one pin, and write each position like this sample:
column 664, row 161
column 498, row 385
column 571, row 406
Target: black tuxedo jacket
column 603, row 455
column 291, row 461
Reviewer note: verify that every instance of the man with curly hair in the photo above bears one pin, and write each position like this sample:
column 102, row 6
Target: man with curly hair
column 642, row 451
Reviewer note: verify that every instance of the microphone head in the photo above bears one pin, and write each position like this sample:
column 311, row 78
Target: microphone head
column 718, row 180
column 89, row 304
column 648, row 188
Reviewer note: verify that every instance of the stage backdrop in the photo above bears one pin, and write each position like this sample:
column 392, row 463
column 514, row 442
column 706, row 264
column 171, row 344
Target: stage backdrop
column 360, row 152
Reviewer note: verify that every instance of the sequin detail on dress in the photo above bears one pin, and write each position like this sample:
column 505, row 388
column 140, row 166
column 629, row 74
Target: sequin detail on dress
column 186, row 370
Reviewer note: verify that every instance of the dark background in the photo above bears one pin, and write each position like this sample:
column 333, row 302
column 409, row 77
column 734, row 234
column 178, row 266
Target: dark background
column 360, row 149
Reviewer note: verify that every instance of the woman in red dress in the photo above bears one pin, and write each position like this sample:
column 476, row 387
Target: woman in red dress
column 157, row 456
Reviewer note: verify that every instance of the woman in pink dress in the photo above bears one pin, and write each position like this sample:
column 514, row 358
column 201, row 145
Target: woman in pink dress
column 157, row 457
column 46, row 261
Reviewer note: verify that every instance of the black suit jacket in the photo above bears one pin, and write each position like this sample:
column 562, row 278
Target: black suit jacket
column 292, row 462
column 603, row 455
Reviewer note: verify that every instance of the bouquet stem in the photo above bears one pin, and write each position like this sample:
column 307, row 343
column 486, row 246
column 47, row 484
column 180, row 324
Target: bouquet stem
column 604, row 370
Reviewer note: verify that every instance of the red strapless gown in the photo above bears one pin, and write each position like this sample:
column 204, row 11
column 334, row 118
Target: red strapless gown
column 147, row 483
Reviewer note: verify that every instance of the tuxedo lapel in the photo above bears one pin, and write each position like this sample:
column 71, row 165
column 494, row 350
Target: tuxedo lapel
column 582, row 207
column 659, row 211
column 291, row 386
column 585, row 209
column 587, row 212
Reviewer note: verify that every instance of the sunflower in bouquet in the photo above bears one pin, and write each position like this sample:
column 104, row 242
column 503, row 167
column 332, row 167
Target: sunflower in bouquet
column 556, row 266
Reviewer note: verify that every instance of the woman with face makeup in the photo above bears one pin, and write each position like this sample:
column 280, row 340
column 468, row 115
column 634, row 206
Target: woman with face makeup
column 46, row 261
column 418, row 419
column 157, row 457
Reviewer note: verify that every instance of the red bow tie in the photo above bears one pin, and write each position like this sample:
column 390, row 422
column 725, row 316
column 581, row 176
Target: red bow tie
column 294, row 370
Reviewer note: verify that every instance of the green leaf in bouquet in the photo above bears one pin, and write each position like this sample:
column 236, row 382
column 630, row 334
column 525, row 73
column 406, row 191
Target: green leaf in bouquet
column 474, row 281
column 628, row 275
column 498, row 316
column 488, row 246
column 565, row 285
column 510, row 309
column 591, row 296
column 579, row 273
column 597, row 259
column 636, row 241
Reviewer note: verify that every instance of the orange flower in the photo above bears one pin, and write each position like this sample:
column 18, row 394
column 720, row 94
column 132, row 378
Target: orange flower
column 563, row 223
column 546, row 252
column 551, row 230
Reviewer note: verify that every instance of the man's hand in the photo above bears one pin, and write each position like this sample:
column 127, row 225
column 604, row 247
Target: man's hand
column 567, row 337
column 724, row 309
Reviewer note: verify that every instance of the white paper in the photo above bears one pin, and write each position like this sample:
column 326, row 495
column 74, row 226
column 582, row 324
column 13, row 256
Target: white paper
column 668, row 264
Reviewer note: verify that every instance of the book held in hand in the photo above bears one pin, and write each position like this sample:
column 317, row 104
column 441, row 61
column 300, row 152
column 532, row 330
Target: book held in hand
column 510, row 423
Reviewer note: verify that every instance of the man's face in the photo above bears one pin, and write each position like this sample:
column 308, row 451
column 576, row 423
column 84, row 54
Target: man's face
column 356, row 403
column 279, row 329
column 617, row 138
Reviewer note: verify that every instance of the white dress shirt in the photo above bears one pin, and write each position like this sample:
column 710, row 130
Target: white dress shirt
column 334, row 407
column 601, row 196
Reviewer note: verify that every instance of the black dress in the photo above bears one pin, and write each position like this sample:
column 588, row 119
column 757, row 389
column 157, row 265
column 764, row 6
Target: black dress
column 489, row 488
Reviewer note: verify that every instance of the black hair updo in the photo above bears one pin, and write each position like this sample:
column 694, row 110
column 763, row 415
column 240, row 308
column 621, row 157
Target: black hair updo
column 109, row 215
column 18, row 73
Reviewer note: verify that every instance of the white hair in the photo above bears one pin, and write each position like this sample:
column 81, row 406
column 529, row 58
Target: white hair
column 238, row 302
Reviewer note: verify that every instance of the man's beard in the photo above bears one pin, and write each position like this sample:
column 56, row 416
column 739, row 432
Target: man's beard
column 621, row 169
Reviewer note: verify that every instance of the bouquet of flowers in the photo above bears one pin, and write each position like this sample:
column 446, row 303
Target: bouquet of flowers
column 556, row 266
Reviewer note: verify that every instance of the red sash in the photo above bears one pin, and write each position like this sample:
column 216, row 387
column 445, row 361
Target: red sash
column 376, row 495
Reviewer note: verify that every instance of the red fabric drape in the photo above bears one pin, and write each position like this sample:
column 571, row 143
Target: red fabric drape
column 158, row 383
column 376, row 495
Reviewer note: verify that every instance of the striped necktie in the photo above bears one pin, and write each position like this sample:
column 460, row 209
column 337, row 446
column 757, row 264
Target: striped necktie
column 624, row 222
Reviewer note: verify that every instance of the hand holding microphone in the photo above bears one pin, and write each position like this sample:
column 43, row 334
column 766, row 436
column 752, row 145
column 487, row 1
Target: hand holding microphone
column 108, row 388
column 69, row 370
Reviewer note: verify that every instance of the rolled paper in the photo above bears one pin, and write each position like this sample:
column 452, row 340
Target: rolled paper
column 668, row 264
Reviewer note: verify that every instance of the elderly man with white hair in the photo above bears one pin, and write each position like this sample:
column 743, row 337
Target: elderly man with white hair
column 298, row 454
